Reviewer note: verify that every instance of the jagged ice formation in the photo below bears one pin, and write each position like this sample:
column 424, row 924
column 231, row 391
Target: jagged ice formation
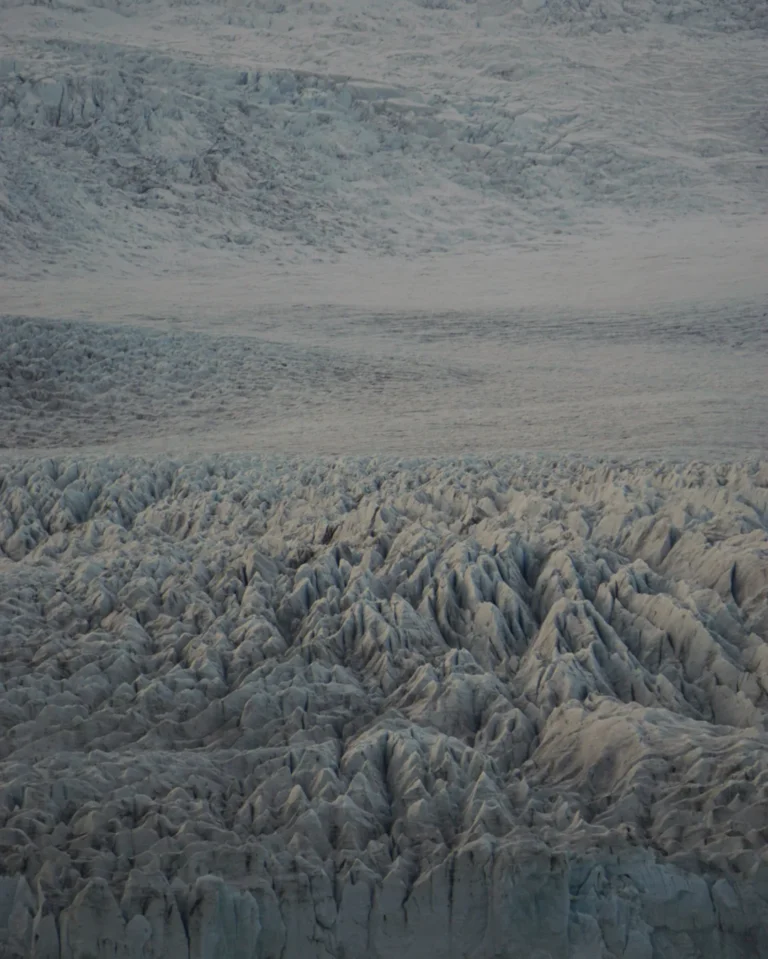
column 286, row 709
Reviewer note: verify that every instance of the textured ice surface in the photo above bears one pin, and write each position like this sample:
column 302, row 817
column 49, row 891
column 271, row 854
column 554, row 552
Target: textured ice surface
column 413, row 226
column 289, row 708
column 146, row 141
column 327, row 381
column 257, row 708
column 396, row 128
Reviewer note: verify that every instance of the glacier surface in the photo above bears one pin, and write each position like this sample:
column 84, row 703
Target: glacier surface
column 278, row 708
column 333, row 697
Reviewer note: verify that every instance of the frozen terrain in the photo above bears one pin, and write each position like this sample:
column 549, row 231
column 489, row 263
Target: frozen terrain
column 281, row 710
column 413, row 226
column 270, row 690
column 274, row 131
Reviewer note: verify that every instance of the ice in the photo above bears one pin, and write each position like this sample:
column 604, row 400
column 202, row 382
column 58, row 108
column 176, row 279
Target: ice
column 402, row 203
column 161, row 136
column 335, row 381
column 270, row 707
column 383, row 493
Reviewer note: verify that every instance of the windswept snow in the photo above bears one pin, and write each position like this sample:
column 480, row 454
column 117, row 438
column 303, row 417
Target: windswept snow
column 267, row 708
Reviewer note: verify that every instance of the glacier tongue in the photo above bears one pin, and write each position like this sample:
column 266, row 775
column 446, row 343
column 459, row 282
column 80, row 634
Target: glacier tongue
column 272, row 708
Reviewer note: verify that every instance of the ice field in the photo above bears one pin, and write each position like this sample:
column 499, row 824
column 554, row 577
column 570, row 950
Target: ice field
column 384, row 479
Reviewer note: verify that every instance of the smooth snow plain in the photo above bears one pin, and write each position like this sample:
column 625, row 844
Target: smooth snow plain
column 296, row 660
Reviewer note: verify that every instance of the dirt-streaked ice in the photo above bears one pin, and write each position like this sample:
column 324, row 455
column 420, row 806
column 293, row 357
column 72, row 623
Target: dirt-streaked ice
column 280, row 708
column 266, row 705
column 150, row 140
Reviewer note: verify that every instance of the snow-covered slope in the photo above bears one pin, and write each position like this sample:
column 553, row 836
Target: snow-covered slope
column 264, row 709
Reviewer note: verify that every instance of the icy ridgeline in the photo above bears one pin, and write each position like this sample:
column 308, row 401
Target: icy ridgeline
column 288, row 710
